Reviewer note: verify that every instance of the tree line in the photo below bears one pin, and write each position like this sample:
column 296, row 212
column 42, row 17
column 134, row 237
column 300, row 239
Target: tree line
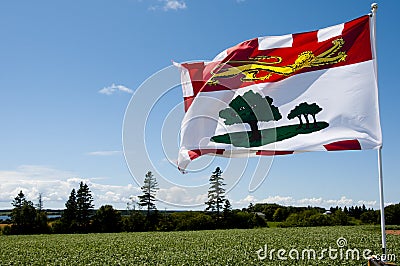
column 79, row 215
column 288, row 216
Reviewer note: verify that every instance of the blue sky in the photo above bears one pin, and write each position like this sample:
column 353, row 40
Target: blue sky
column 68, row 70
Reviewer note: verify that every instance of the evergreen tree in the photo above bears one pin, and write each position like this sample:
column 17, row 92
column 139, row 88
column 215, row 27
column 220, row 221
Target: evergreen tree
column 39, row 205
column 227, row 208
column 16, row 214
column 29, row 217
column 41, row 217
column 149, row 189
column 84, row 206
column 69, row 215
column 23, row 216
column 216, row 192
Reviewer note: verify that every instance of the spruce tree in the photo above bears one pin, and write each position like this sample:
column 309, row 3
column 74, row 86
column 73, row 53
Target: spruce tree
column 16, row 214
column 149, row 189
column 216, row 192
column 23, row 216
column 84, row 206
column 227, row 208
column 41, row 217
column 69, row 215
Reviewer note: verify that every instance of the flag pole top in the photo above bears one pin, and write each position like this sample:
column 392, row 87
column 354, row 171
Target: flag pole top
column 374, row 7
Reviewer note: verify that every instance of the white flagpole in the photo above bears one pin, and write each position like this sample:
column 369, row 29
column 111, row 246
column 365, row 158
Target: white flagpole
column 382, row 204
column 374, row 8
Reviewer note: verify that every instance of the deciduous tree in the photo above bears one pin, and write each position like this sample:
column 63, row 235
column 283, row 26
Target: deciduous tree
column 250, row 108
column 107, row 220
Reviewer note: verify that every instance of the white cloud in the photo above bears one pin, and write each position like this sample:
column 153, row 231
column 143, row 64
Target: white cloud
column 343, row 201
column 169, row 5
column 115, row 88
column 311, row 201
column 56, row 185
column 246, row 201
column 104, row 153
column 174, row 5
column 279, row 200
column 180, row 196
column 153, row 8
column 387, row 203
column 368, row 203
column 112, row 194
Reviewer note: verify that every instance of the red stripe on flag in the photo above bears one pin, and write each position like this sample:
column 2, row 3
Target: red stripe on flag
column 193, row 154
column 196, row 71
column 188, row 102
column 242, row 50
column 271, row 153
column 358, row 31
column 299, row 39
column 343, row 145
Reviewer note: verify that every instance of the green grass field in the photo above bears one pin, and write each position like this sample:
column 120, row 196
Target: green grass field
column 220, row 247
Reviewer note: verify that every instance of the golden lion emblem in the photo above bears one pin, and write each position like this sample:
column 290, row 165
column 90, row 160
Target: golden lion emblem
column 253, row 66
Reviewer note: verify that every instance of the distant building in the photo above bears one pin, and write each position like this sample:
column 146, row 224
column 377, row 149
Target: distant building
column 262, row 215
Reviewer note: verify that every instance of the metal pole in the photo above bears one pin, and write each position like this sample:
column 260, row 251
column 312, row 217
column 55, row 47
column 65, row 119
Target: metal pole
column 382, row 203
column 374, row 8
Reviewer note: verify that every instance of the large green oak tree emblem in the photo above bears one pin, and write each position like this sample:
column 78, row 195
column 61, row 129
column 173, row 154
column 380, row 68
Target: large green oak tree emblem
column 252, row 108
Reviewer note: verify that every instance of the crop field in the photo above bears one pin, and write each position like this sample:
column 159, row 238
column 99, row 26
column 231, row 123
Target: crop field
column 266, row 246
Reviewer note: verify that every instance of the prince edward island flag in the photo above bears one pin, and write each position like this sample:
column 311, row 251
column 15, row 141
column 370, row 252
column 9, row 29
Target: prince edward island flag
column 275, row 95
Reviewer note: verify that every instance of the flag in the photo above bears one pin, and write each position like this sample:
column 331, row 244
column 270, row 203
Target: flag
column 275, row 95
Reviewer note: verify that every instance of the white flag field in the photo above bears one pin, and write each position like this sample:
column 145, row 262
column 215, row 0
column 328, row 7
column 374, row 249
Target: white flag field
column 275, row 95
